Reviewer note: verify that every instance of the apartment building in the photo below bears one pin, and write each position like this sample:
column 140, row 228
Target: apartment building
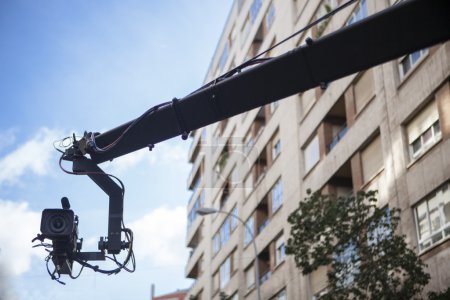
column 386, row 128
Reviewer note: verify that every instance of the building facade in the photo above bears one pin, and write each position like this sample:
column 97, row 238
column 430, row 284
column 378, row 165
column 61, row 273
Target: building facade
column 386, row 128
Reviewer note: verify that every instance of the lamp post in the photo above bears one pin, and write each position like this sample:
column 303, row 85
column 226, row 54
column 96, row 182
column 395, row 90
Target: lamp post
column 203, row 211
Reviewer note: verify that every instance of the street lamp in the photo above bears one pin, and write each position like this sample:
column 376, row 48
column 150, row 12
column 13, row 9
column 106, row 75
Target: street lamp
column 203, row 211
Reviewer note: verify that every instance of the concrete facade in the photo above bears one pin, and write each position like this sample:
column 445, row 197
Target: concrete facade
column 386, row 128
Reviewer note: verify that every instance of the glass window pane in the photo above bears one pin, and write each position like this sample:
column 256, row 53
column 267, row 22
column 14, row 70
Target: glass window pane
column 248, row 230
column 250, row 277
column 422, row 220
column 225, row 272
column 406, row 65
column 427, row 136
column 312, row 153
column 415, row 56
column 433, row 208
column 446, row 204
column 437, row 129
column 416, row 146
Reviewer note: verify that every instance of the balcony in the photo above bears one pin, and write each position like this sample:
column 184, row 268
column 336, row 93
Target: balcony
column 195, row 147
column 335, row 124
column 266, row 276
column 195, row 176
column 336, row 138
column 263, row 225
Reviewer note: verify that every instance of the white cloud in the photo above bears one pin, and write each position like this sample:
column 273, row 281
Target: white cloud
column 32, row 156
column 164, row 153
column 160, row 236
column 19, row 226
column 7, row 137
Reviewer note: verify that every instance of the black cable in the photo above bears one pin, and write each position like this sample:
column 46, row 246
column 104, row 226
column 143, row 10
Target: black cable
column 256, row 60
column 323, row 18
column 97, row 149
column 122, row 186
column 128, row 235
column 120, row 266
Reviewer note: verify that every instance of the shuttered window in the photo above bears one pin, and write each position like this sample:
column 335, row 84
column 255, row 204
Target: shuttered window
column 371, row 159
column 424, row 130
column 319, row 279
column 364, row 90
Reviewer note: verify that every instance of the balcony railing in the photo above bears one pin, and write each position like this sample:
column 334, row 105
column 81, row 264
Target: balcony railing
column 342, row 131
column 263, row 225
column 265, row 277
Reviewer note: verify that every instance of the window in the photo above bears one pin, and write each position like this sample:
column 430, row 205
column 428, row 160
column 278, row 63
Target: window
column 363, row 90
column 308, row 98
column 276, row 146
column 260, row 167
column 225, row 232
column 277, row 195
column 248, row 184
column 280, row 253
column 234, row 220
column 192, row 215
column 281, row 295
column 224, row 56
column 262, row 215
column 424, row 130
column 248, row 141
column 222, row 276
column 371, row 159
column 273, row 105
column 250, row 277
column 254, row 10
column 222, row 236
column 409, row 61
column 216, row 243
column 325, row 7
column 270, row 16
column 225, row 272
column 245, row 30
column 312, row 153
column 348, row 259
column 359, row 13
column 249, row 230
column 378, row 234
column 433, row 218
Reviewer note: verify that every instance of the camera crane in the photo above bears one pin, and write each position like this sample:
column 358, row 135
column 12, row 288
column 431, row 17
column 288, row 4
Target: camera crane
column 398, row 30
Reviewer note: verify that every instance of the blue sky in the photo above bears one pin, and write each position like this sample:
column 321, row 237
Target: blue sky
column 70, row 66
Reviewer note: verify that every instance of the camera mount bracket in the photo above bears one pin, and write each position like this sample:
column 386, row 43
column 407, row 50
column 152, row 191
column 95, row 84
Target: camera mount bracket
column 115, row 193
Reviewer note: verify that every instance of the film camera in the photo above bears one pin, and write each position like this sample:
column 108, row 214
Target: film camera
column 61, row 227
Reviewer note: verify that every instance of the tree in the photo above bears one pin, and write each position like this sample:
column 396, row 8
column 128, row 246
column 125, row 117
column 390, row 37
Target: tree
column 368, row 259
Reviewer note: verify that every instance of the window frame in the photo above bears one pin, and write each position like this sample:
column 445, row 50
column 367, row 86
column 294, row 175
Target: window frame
column 306, row 154
column 412, row 63
column 280, row 250
column 276, row 194
column 424, row 146
column 426, row 243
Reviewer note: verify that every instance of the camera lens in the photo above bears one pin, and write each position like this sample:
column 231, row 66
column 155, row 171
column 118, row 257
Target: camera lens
column 57, row 224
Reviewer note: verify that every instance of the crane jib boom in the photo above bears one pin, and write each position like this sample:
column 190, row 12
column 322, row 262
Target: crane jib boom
column 386, row 35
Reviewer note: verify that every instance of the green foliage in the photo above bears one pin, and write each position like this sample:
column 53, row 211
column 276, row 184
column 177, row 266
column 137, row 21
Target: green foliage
column 358, row 240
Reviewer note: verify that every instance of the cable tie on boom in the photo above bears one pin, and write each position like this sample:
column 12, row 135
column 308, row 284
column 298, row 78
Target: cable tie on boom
column 184, row 133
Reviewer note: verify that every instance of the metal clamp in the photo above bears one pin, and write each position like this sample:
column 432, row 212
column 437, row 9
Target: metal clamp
column 181, row 127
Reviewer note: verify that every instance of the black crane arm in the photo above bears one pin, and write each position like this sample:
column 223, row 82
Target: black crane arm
column 398, row 30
